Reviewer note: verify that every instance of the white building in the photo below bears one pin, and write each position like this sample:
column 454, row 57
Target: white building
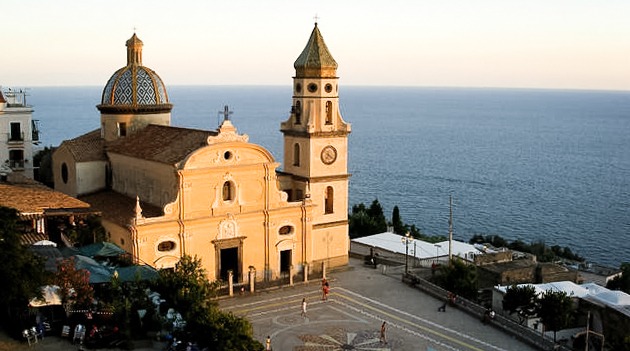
column 18, row 133
column 421, row 253
column 609, row 309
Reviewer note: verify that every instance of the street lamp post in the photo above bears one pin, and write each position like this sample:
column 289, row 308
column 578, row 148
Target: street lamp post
column 407, row 239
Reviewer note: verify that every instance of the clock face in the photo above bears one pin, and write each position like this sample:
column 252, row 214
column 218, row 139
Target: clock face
column 329, row 154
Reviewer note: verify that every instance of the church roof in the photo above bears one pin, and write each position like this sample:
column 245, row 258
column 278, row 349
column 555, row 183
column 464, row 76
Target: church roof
column 134, row 88
column 119, row 208
column 315, row 59
column 2, row 97
column 164, row 144
column 87, row 147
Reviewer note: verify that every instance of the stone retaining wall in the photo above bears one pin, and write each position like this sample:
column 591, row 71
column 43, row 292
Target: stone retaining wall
column 508, row 326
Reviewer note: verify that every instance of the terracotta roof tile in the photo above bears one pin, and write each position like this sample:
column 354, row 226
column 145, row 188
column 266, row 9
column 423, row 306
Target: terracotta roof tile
column 30, row 197
column 162, row 144
column 119, row 208
column 87, row 147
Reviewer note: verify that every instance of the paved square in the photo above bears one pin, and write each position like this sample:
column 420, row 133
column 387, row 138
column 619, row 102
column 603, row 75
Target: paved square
column 360, row 300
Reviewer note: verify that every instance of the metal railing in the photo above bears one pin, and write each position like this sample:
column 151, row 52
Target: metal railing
column 15, row 137
column 16, row 164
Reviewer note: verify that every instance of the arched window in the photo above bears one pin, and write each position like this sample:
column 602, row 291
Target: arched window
column 64, row 173
column 296, row 154
column 329, row 109
column 298, row 112
column 328, row 205
column 228, row 191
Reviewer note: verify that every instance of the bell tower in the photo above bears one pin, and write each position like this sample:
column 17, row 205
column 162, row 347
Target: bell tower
column 316, row 150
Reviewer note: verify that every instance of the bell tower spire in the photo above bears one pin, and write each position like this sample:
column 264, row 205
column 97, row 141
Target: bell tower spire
column 316, row 147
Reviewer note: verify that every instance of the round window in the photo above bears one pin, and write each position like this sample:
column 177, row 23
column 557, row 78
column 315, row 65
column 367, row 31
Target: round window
column 227, row 155
column 166, row 246
column 312, row 87
column 285, row 230
column 328, row 88
column 64, row 173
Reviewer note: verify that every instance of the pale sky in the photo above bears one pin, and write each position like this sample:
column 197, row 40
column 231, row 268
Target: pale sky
column 566, row 44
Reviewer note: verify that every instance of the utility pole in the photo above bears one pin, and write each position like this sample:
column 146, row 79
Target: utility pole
column 450, row 229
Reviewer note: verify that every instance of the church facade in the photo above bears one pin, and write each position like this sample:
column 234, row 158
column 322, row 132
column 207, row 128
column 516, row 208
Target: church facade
column 167, row 191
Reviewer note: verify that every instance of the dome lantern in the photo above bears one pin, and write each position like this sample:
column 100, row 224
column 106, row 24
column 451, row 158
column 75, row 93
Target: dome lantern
column 134, row 51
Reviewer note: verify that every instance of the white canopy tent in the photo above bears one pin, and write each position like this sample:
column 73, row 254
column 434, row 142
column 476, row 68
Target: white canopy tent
column 50, row 297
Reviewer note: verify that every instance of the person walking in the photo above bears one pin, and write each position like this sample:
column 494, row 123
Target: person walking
column 325, row 290
column 383, row 330
column 268, row 344
column 303, row 314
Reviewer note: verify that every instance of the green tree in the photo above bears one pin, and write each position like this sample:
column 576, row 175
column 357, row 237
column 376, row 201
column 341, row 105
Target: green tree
column 124, row 299
column 188, row 290
column 459, row 278
column 21, row 271
column 186, row 286
column 397, row 223
column 376, row 212
column 42, row 161
column 555, row 310
column 222, row 331
column 520, row 300
column 365, row 221
column 359, row 222
column 621, row 282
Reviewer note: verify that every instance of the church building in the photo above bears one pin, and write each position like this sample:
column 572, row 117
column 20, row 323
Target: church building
column 167, row 191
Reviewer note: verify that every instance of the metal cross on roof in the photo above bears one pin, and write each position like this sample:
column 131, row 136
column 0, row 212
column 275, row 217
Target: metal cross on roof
column 226, row 113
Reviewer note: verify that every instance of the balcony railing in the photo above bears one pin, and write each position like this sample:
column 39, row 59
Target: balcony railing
column 15, row 137
column 16, row 164
column 35, row 129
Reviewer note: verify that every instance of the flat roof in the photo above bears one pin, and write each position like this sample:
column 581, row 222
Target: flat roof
column 417, row 248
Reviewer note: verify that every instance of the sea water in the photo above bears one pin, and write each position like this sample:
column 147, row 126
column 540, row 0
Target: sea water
column 534, row 165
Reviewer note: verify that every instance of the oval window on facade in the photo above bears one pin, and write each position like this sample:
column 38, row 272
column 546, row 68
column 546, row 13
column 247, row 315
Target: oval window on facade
column 312, row 87
column 166, row 246
column 285, row 230
column 298, row 88
column 328, row 88
column 227, row 155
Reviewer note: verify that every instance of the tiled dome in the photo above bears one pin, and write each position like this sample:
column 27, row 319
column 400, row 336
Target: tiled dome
column 134, row 88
